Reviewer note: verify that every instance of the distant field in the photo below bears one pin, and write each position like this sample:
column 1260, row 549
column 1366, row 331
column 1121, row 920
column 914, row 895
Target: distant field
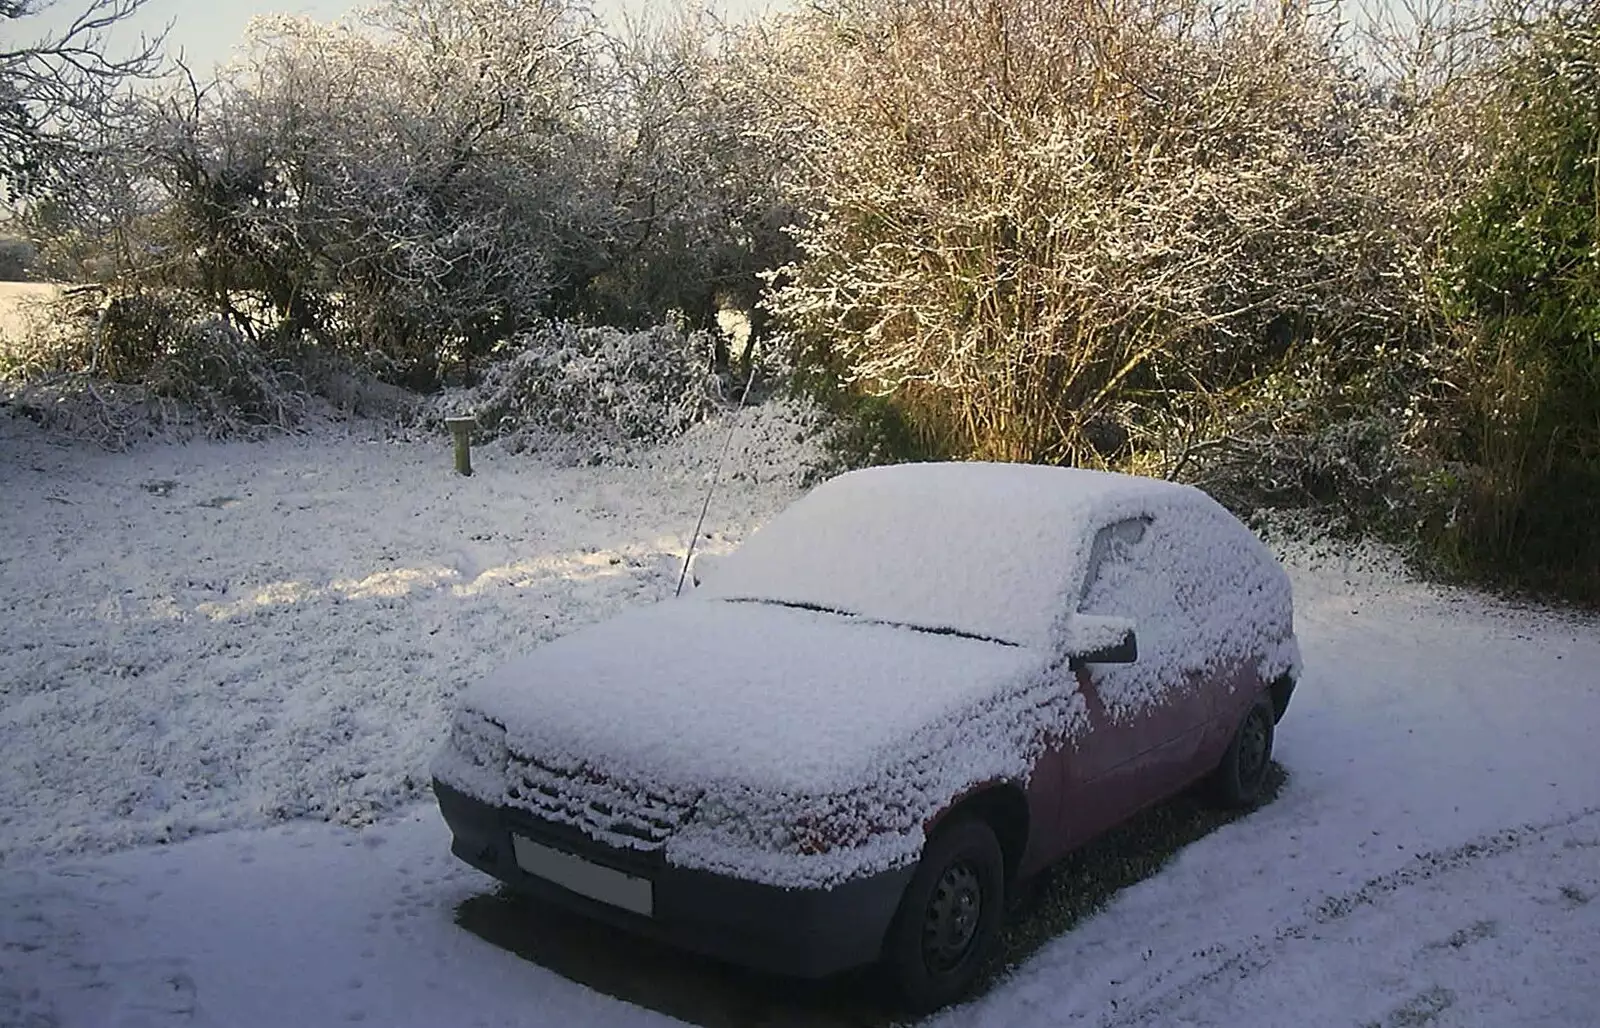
column 15, row 300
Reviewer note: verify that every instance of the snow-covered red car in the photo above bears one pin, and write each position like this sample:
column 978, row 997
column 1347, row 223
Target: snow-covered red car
column 915, row 687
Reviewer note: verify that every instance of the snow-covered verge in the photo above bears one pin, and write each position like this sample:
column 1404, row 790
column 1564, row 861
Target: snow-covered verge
column 1434, row 858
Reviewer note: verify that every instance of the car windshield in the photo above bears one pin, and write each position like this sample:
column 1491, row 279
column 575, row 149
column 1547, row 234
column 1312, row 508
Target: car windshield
column 986, row 550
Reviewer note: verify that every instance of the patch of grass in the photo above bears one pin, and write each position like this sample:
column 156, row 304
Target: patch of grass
column 1086, row 882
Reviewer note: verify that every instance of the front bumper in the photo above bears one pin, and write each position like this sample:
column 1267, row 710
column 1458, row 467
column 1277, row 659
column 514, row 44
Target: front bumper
column 806, row 933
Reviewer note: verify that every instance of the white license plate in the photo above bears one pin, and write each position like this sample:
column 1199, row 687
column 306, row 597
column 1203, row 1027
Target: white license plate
column 585, row 877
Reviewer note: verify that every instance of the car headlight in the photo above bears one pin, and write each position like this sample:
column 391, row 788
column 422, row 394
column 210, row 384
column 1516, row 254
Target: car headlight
column 479, row 742
column 741, row 821
column 774, row 839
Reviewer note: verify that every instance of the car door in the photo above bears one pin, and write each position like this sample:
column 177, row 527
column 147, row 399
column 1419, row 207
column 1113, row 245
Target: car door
column 1145, row 717
column 1101, row 769
column 1194, row 585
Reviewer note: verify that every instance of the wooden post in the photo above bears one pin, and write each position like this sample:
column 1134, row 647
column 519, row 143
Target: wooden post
column 461, row 431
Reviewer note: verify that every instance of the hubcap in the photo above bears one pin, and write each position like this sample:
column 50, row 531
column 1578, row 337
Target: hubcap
column 1253, row 747
column 951, row 921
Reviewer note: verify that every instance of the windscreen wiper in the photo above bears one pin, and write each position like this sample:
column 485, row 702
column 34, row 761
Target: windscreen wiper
column 820, row 609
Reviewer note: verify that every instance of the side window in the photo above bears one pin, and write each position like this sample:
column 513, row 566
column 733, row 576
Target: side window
column 1113, row 544
column 1207, row 578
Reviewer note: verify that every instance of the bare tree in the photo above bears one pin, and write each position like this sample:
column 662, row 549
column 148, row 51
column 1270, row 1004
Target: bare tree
column 62, row 93
column 696, row 211
column 413, row 184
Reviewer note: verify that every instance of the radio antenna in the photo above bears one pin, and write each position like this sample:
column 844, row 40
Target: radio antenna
column 716, row 474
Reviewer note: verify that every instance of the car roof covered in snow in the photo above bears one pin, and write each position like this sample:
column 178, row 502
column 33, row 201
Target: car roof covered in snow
column 981, row 548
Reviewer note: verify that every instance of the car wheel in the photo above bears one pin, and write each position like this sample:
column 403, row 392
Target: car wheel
column 1241, row 780
column 950, row 917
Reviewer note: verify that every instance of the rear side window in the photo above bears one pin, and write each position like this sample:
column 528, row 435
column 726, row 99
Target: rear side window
column 1130, row 576
column 1113, row 544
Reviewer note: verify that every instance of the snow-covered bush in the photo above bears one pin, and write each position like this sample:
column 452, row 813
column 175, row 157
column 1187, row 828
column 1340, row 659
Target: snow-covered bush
column 694, row 212
column 229, row 381
column 414, row 183
column 1031, row 222
column 590, row 389
column 115, row 369
column 779, row 439
column 1522, row 271
column 1350, row 475
column 429, row 178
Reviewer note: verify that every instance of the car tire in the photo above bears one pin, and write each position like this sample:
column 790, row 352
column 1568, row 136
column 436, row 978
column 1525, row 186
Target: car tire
column 949, row 920
column 1240, row 781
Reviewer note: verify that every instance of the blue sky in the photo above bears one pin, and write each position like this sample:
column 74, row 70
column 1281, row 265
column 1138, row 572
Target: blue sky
column 206, row 30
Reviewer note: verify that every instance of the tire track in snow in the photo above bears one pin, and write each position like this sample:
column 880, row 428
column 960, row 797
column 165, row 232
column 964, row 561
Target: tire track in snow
column 1244, row 961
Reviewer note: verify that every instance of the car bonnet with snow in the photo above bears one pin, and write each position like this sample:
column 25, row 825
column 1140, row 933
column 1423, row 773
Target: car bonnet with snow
column 705, row 693
column 763, row 713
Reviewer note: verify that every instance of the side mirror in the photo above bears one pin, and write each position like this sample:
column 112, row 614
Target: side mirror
column 1093, row 639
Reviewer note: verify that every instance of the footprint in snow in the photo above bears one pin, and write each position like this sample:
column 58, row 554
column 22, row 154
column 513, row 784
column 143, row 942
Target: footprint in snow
column 1477, row 931
column 1419, row 1010
column 152, row 993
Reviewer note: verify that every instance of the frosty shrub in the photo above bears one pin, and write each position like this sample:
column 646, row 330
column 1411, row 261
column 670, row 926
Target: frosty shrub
column 1347, row 437
column 352, row 387
column 115, row 369
column 228, row 381
column 425, row 179
column 1523, row 279
column 412, row 183
column 566, row 387
column 693, row 213
column 1037, row 224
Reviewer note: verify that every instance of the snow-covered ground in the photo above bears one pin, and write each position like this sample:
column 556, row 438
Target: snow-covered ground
column 210, row 636
column 257, row 645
